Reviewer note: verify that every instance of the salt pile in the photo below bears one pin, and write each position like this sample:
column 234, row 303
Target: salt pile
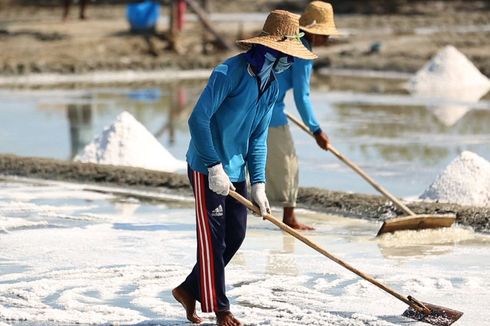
column 465, row 181
column 127, row 142
column 449, row 70
column 452, row 82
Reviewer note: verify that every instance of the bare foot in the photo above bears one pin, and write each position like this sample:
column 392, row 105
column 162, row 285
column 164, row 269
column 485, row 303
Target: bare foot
column 226, row 318
column 289, row 218
column 188, row 302
column 296, row 225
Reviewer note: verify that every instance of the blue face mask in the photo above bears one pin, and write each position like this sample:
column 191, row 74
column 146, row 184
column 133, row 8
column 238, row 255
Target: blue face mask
column 283, row 63
column 262, row 59
column 265, row 73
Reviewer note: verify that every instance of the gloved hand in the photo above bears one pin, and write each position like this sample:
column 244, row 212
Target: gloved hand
column 219, row 181
column 259, row 197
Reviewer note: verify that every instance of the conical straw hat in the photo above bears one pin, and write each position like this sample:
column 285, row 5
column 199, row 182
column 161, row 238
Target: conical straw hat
column 318, row 19
column 281, row 33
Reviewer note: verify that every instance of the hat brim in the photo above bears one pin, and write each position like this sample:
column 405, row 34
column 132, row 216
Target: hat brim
column 292, row 47
column 321, row 29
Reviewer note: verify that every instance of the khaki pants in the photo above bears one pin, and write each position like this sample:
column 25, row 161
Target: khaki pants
column 282, row 167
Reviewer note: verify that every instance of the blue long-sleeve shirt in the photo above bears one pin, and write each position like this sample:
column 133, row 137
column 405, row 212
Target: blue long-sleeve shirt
column 229, row 123
column 296, row 77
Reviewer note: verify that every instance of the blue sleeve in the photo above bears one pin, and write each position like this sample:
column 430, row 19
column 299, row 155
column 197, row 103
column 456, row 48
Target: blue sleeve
column 301, row 74
column 257, row 156
column 217, row 89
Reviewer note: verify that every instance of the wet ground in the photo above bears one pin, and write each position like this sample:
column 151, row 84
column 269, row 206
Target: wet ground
column 401, row 141
column 77, row 255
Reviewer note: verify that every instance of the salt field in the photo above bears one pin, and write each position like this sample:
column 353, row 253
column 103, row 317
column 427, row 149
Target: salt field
column 369, row 127
column 73, row 255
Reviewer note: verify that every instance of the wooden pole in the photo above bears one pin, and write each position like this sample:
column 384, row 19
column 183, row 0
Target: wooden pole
column 310, row 243
column 203, row 17
column 356, row 168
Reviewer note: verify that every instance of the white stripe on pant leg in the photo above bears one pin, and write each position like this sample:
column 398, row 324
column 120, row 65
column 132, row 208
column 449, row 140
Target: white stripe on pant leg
column 204, row 249
column 208, row 243
column 204, row 294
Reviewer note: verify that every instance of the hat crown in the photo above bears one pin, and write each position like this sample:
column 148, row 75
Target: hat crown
column 317, row 12
column 281, row 23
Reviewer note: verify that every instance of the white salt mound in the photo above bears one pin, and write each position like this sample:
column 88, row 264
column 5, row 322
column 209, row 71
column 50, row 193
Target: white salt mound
column 127, row 142
column 449, row 70
column 465, row 181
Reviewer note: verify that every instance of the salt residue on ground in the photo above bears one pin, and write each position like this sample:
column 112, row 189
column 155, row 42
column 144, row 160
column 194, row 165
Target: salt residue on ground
column 122, row 270
column 448, row 69
column 465, row 181
column 127, row 142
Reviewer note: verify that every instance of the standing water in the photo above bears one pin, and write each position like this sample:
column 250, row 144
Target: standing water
column 395, row 137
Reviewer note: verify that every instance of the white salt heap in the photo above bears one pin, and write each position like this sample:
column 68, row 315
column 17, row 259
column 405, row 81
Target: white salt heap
column 127, row 142
column 465, row 181
column 449, row 70
column 451, row 79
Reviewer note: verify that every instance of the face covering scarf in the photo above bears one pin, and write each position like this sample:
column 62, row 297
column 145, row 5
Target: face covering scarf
column 283, row 63
column 262, row 59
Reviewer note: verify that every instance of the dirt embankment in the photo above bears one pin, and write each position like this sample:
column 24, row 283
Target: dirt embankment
column 383, row 35
column 346, row 204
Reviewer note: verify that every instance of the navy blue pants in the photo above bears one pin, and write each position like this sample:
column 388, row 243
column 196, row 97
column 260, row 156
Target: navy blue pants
column 221, row 222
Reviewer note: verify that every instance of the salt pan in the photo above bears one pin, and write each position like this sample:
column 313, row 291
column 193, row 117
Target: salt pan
column 127, row 142
column 465, row 181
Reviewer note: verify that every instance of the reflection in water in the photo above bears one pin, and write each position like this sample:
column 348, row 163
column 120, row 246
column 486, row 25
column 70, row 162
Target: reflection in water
column 283, row 262
column 411, row 152
column 413, row 251
column 402, row 145
column 453, row 104
column 169, row 108
column 395, row 133
column 425, row 242
column 178, row 110
column 80, row 123
column 408, row 134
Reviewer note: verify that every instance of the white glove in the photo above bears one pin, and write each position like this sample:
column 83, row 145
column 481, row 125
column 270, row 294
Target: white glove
column 219, row 181
column 259, row 197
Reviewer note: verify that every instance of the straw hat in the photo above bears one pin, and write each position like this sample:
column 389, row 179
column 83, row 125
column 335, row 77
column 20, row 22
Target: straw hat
column 281, row 33
column 318, row 19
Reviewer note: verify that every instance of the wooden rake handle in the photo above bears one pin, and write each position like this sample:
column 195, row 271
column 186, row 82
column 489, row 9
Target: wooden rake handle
column 356, row 168
column 310, row 243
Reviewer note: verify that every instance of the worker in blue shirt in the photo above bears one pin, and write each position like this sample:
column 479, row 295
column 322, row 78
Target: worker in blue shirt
column 282, row 164
column 229, row 127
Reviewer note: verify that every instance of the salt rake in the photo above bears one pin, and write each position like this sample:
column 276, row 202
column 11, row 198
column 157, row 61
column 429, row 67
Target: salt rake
column 421, row 311
column 410, row 222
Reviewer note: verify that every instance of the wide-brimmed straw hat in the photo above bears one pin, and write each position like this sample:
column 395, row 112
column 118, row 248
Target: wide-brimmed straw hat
column 318, row 19
column 281, row 33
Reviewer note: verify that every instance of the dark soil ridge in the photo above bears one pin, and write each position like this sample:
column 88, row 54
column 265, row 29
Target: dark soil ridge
column 334, row 202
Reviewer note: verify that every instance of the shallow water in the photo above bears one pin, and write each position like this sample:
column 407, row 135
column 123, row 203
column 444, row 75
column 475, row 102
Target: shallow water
column 99, row 258
column 400, row 140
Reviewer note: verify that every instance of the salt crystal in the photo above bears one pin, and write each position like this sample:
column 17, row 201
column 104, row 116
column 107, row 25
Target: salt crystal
column 127, row 142
column 465, row 181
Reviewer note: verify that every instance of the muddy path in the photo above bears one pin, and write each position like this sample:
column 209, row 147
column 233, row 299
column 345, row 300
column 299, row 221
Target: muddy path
column 340, row 203
column 35, row 40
